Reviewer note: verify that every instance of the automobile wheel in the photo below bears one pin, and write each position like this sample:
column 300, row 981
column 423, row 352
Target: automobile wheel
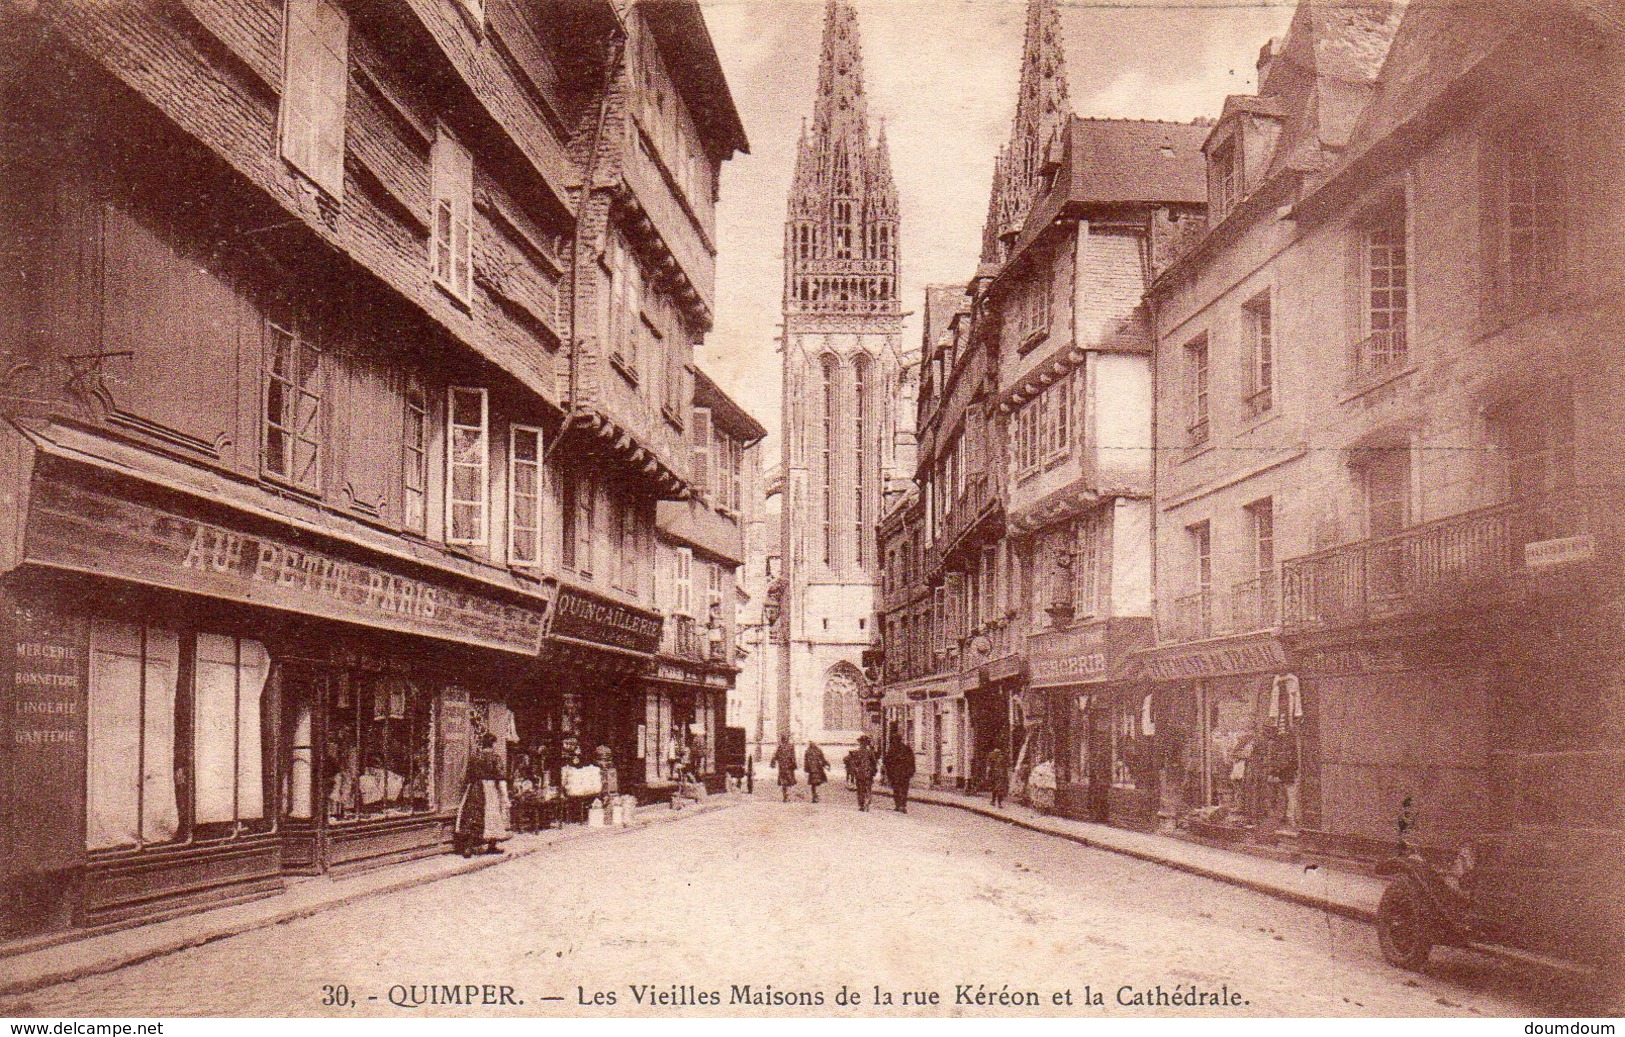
column 1402, row 927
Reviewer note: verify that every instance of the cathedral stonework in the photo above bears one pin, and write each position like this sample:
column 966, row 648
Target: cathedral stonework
column 844, row 395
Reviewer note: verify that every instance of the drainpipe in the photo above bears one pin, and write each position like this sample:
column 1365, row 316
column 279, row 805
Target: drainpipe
column 614, row 51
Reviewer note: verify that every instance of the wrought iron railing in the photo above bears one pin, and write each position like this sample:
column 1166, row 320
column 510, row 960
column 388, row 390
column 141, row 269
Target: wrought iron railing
column 1255, row 604
column 1380, row 352
column 683, row 639
column 1192, row 617
column 1454, row 561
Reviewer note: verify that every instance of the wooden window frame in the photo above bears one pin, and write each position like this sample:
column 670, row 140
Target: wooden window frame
column 451, row 216
column 305, row 392
column 525, row 539
column 415, row 455
column 482, row 466
column 315, row 86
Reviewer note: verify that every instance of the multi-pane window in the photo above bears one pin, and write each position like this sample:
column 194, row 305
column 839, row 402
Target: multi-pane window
column 1225, row 172
column 1531, row 243
column 1255, row 598
column 451, row 226
column 316, row 79
column 415, row 456
column 1201, row 541
column 1386, row 475
column 1086, row 558
column 1387, row 294
column 1030, row 304
column 524, row 496
column 380, row 746
column 1042, row 429
column 1259, row 324
column 1196, row 381
column 683, row 582
column 468, row 449
column 292, row 448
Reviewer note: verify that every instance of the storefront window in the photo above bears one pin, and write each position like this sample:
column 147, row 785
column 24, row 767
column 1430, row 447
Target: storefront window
column 229, row 757
column 380, row 738
column 132, row 752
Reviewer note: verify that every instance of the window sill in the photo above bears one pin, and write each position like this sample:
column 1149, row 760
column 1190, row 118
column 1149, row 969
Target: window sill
column 671, row 417
column 1194, row 450
column 1032, row 342
column 1258, row 421
column 463, row 302
column 621, row 364
column 277, row 484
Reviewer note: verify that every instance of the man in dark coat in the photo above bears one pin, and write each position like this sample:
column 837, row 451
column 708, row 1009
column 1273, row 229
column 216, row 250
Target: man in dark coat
column 784, row 761
column 860, row 767
column 998, row 777
column 899, row 765
column 817, row 768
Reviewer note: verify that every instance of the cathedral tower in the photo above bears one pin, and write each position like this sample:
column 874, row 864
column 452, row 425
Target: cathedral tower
column 842, row 384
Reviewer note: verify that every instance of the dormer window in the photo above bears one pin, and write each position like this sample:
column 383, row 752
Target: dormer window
column 1225, row 177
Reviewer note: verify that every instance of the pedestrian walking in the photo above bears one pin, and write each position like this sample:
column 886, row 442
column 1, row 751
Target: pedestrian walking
column 860, row 768
column 817, row 768
column 483, row 815
column 998, row 777
column 899, row 764
column 784, row 761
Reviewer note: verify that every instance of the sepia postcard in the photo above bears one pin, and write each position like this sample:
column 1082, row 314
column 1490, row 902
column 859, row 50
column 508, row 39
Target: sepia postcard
column 831, row 509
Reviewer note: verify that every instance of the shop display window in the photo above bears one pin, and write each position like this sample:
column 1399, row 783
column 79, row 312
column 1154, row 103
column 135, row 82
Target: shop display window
column 379, row 748
column 134, row 758
column 228, row 712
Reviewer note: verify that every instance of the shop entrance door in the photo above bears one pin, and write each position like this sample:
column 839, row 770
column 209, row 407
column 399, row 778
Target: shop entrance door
column 1100, row 762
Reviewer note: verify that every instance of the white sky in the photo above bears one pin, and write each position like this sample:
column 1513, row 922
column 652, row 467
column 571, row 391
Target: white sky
column 943, row 73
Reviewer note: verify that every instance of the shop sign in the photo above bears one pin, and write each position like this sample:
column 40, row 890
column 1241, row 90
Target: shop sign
column 666, row 671
column 586, row 617
column 74, row 528
column 1071, row 657
column 1076, row 669
column 1550, row 554
column 44, row 739
column 1262, row 656
column 717, row 680
column 1354, row 659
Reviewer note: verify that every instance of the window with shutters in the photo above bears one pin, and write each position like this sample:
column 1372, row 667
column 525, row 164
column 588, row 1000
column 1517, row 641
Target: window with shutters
column 683, row 583
column 703, row 437
column 451, row 226
column 415, row 456
column 675, row 390
column 291, row 450
column 468, row 450
column 316, row 40
column 524, row 496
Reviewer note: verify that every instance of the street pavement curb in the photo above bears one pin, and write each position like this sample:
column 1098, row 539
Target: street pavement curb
column 1340, row 908
column 201, row 935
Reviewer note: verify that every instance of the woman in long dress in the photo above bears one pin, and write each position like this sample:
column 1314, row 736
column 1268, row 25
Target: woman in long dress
column 483, row 816
column 784, row 761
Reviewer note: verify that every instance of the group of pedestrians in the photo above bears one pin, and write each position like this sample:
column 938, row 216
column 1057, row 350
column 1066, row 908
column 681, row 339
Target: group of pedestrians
column 862, row 763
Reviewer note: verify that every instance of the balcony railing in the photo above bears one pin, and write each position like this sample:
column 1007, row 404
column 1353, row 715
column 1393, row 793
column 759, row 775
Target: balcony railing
column 1379, row 353
column 1251, row 605
column 684, row 639
column 1192, row 617
column 1255, row 604
column 1454, row 562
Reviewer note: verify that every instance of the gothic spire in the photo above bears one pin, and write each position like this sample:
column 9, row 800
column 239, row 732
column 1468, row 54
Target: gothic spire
column 1042, row 110
column 840, row 115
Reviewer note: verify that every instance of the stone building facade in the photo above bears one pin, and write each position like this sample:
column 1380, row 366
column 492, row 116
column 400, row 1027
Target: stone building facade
column 844, row 374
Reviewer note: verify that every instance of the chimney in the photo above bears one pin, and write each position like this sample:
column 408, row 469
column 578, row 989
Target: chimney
column 1266, row 59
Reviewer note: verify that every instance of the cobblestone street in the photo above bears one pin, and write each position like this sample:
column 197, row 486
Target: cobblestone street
column 771, row 894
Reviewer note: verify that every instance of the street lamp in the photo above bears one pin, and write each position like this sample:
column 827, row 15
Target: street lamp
column 770, row 617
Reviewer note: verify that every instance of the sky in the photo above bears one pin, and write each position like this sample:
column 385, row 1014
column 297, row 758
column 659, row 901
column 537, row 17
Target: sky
column 943, row 74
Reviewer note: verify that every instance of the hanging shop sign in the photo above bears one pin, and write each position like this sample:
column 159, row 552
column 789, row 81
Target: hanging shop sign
column 75, row 528
column 583, row 616
column 1259, row 655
